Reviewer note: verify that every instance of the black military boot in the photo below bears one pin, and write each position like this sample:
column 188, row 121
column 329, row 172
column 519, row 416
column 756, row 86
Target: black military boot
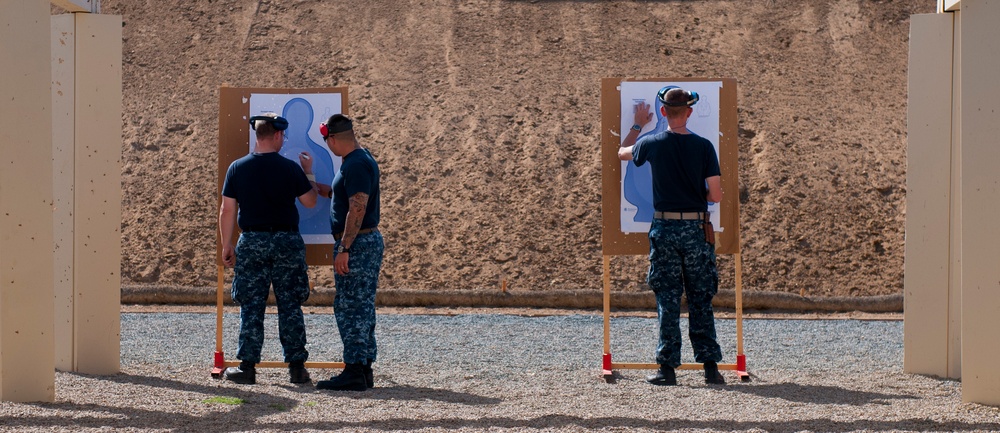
column 297, row 372
column 245, row 374
column 351, row 379
column 369, row 374
column 712, row 375
column 664, row 376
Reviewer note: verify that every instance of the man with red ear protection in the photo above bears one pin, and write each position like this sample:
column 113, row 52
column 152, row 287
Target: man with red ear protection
column 358, row 249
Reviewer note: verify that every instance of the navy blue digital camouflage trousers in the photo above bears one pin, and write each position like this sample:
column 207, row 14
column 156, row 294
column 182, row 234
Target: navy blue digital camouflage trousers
column 264, row 259
column 681, row 261
column 354, row 303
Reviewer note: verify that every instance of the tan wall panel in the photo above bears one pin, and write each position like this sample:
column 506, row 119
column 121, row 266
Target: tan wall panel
column 27, row 370
column 980, row 201
column 955, row 292
column 97, row 209
column 928, row 156
column 63, row 61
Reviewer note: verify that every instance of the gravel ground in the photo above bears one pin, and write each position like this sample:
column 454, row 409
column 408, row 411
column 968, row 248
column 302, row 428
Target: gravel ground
column 497, row 372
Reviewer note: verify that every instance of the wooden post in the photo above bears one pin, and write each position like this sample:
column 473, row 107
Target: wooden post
column 219, row 359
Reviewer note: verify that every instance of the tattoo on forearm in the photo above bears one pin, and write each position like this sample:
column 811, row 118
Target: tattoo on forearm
column 355, row 215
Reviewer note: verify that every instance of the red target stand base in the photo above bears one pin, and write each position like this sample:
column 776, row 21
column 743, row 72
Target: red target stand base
column 608, row 367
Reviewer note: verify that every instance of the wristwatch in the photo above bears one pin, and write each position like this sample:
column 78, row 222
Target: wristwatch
column 637, row 127
column 341, row 249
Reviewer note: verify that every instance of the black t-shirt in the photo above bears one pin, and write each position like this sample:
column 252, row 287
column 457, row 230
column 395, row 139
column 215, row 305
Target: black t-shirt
column 358, row 173
column 266, row 186
column 679, row 163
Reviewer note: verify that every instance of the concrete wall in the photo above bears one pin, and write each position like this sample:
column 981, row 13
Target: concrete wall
column 63, row 133
column 927, row 280
column 955, row 271
column 952, row 282
column 87, row 96
column 27, row 371
column 980, row 107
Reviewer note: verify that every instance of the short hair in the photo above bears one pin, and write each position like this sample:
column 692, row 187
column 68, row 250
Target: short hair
column 676, row 100
column 674, row 112
column 265, row 129
column 338, row 123
column 268, row 124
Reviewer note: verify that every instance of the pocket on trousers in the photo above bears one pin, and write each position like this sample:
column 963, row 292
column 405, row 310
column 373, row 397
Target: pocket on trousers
column 238, row 295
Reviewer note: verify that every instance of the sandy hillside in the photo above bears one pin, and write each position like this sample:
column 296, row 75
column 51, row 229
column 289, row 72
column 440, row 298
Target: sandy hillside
column 485, row 118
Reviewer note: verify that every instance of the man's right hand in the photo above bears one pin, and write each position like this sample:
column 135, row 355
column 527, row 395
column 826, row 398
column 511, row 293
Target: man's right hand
column 229, row 255
column 305, row 159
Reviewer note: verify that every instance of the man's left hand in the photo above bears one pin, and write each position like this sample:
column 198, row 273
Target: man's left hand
column 340, row 263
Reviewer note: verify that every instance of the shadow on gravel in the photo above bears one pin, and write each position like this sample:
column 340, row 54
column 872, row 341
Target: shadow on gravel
column 817, row 394
column 576, row 423
column 244, row 414
column 236, row 421
column 244, row 391
column 417, row 393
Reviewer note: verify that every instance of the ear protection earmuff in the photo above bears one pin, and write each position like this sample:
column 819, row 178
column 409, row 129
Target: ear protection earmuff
column 692, row 97
column 662, row 94
column 339, row 122
column 279, row 123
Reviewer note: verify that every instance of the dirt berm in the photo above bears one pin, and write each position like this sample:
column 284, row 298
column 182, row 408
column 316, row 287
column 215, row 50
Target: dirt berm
column 565, row 299
column 485, row 118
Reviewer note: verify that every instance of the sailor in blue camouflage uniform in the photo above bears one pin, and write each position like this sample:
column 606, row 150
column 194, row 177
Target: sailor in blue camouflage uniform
column 259, row 194
column 686, row 177
column 358, row 250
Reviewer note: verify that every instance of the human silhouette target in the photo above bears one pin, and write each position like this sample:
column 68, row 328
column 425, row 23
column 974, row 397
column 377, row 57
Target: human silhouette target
column 637, row 182
column 305, row 112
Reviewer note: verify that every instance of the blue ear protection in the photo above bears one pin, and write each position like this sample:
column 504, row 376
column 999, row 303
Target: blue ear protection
column 662, row 94
column 692, row 97
column 279, row 123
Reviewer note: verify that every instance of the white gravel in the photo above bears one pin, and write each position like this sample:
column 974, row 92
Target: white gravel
column 489, row 372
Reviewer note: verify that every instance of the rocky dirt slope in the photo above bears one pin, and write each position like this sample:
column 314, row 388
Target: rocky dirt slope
column 485, row 118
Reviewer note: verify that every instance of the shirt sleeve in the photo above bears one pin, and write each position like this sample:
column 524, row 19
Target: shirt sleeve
column 639, row 152
column 358, row 178
column 228, row 187
column 711, row 161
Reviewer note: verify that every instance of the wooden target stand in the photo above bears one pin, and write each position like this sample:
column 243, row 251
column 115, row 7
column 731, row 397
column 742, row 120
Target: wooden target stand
column 615, row 242
column 234, row 143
